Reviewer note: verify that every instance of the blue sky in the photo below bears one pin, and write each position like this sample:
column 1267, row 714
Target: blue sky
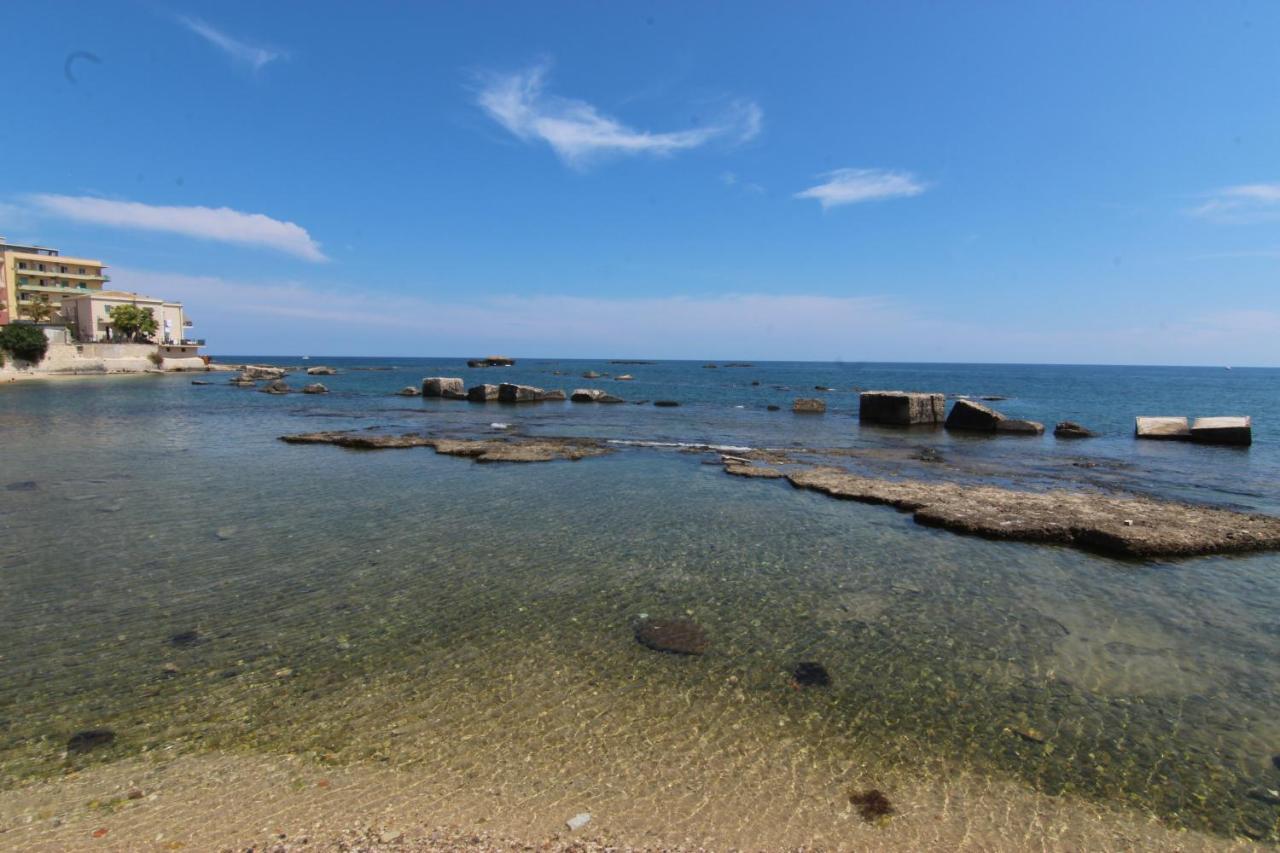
column 1035, row 182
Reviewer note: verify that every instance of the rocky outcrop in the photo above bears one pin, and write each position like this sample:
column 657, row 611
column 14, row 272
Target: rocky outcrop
column 1017, row 426
column 314, row 388
column 1228, row 430
column 809, row 406
column 491, row 361
column 449, row 387
column 1164, row 429
column 593, row 395
column 678, row 636
column 968, row 415
column 1071, row 429
column 321, row 370
column 1122, row 526
column 481, row 450
column 590, row 374
column 408, row 391
column 276, row 387
column 901, row 408
column 262, row 371
column 666, row 404
column 482, row 393
column 509, row 393
column 243, row 382
column 553, row 395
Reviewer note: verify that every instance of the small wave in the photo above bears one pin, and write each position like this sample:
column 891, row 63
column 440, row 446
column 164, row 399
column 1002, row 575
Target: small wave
column 727, row 448
column 499, row 426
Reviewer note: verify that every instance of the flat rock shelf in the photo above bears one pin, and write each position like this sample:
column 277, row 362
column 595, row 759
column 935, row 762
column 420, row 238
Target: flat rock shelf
column 481, row 450
column 1128, row 526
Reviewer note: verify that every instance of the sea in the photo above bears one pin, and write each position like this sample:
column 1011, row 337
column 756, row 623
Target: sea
column 446, row 642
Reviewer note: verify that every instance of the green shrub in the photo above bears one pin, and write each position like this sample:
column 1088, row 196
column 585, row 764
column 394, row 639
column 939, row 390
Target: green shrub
column 25, row 342
column 156, row 358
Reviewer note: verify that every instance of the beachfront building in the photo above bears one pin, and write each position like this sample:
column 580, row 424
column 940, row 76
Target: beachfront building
column 30, row 274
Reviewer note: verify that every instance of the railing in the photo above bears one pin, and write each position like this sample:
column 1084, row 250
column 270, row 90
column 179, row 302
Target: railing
column 194, row 342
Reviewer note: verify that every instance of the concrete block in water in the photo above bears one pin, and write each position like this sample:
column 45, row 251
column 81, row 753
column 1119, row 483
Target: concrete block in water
column 968, row 415
column 443, row 386
column 482, row 393
column 1165, row 429
column 1229, row 430
column 509, row 393
column 901, row 408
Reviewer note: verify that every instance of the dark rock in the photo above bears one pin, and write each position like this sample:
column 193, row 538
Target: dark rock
column 1071, row 429
column 1275, row 761
column 1016, row 426
column 201, row 382
column 755, row 381
column 822, row 388
column 1270, row 796
column 811, row 674
column 666, row 404
column 711, row 366
column 872, row 805
column 89, row 739
column 928, row 454
column 314, row 388
column 277, row 386
column 992, row 398
column 22, row 486
column 678, row 636
column 590, row 374
column 773, row 408
column 900, row 408
column 185, row 639
column 491, row 361
column 808, row 406
column 968, row 415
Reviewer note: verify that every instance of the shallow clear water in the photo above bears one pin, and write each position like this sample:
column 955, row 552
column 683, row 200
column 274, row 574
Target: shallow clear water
column 351, row 606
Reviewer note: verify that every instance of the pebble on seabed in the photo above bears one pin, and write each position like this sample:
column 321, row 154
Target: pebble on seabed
column 811, row 674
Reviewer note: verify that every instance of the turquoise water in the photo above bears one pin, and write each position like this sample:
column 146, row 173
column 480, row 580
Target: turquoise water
column 333, row 592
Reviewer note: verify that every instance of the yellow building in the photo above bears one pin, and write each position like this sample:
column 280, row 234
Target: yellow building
column 28, row 273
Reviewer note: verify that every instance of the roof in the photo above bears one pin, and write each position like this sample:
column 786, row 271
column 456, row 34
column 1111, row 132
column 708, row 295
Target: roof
column 113, row 294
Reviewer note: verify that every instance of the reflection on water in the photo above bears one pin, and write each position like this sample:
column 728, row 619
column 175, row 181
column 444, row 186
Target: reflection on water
column 193, row 585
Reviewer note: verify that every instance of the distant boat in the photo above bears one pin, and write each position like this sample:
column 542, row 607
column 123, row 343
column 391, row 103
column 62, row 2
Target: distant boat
column 308, row 358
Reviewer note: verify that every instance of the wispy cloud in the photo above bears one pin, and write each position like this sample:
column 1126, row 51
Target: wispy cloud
column 207, row 223
column 850, row 186
column 251, row 55
column 1245, row 203
column 579, row 133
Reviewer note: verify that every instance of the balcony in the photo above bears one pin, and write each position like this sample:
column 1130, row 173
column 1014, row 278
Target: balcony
column 88, row 276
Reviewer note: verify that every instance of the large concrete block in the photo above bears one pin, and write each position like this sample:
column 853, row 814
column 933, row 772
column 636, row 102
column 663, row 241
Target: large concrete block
column 482, row 393
column 809, row 406
column 901, row 408
column 444, row 386
column 509, row 393
column 968, row 415
column 1166, row 429
column 1230, row 430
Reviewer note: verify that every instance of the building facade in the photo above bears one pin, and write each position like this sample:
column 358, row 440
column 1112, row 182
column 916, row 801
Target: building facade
column 30, row 274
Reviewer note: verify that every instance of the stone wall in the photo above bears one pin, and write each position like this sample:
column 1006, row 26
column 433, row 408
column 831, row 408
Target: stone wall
column 90, row 358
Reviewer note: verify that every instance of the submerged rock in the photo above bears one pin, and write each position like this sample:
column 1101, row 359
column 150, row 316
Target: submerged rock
column 89, row 739
column 590, row 374
column 666, row 404
column 772, row 408
column 1071, row 429
column 808, row 406
column 873, row 805
column 201, row 382
column 811, row 674
column 185, row 639
column 481, row 450
column 1017, row 426
column 679, row 636
column 22, row 486
column 408, row 391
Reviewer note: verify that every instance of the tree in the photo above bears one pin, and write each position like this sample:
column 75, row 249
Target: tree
column 40, row 309
column 25, row 342
column 133, row 322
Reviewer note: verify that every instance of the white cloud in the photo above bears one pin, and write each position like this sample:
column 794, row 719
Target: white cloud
column 1241, row 204
column 253, row 56
column 850, row 186
column 578, row 132
column 208, row 223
